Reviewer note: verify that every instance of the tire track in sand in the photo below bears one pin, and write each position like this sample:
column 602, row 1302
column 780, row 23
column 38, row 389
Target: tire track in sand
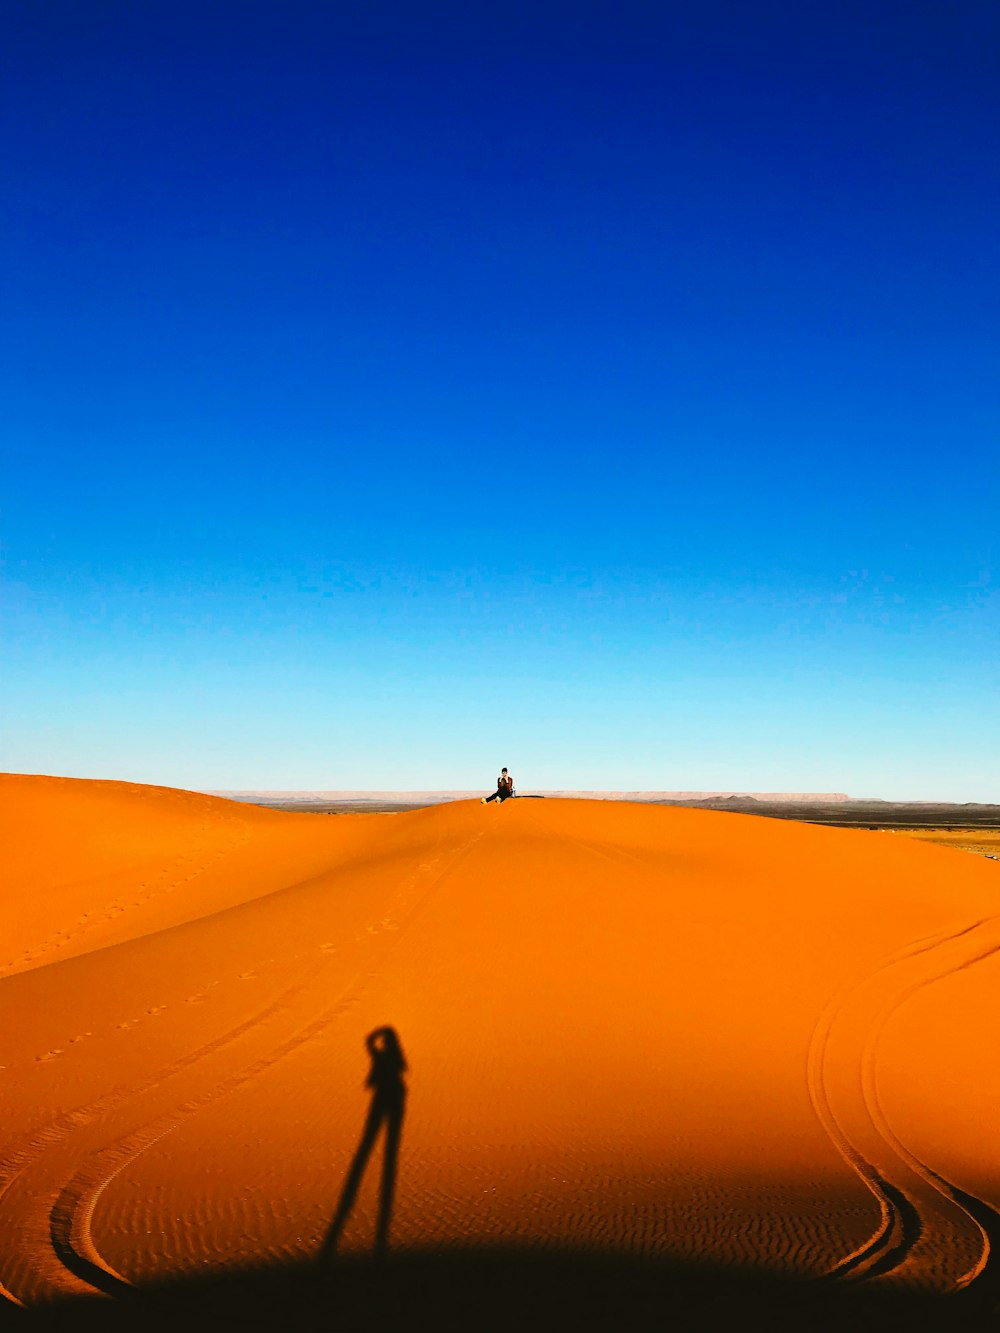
column 930, row 1232
column 59, row 1220
column 982, row 1215
column 39, row 1146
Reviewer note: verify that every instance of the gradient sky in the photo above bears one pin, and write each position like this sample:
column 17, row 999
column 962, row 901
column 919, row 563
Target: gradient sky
column 393, row 391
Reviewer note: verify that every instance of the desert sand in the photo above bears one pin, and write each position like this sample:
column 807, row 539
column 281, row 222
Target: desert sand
column 628, row 1029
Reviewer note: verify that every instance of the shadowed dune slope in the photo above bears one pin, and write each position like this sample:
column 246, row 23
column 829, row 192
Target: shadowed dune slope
column 651, row 1031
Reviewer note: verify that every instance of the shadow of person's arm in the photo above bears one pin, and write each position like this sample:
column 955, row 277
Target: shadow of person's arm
column 372, row 1040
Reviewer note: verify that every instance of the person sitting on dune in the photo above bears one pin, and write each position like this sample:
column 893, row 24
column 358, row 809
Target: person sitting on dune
column 505, row 788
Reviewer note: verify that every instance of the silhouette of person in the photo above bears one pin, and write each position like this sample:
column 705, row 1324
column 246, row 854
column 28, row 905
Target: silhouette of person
column 505, row 788
column 388, row 1104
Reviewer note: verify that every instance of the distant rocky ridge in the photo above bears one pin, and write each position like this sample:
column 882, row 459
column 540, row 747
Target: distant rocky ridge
column 833, row 808
column 438, row 797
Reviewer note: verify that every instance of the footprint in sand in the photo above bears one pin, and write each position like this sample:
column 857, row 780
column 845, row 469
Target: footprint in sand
column 246, row 976
column 49, row 1055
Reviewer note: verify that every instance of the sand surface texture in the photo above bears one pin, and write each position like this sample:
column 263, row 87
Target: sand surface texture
column 648, row 1030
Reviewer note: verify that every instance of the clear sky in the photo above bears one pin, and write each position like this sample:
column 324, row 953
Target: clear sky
column 393, row 391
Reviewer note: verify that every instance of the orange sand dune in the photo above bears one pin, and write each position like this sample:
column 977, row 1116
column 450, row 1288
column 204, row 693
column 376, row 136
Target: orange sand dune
column 648, row 1030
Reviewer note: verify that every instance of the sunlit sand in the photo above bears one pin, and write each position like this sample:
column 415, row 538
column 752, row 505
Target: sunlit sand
column 629, row 1029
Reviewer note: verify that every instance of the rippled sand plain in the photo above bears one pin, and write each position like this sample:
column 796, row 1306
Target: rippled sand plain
column 632, row 1032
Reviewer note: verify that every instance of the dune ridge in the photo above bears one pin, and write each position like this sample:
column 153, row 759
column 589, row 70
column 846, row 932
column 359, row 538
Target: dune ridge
column 650, row 1031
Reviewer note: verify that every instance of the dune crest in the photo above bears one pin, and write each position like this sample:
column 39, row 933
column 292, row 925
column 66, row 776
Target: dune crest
column 645, row 1030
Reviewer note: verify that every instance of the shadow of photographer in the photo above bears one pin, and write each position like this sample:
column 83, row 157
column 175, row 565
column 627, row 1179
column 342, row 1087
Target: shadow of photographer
column 388, row 1106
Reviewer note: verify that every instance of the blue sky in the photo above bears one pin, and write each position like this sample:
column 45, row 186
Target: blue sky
column 394, row 391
